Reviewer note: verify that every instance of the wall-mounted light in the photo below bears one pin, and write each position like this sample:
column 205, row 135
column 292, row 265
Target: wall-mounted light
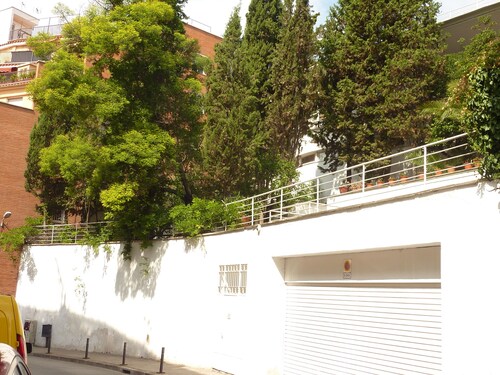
column 6, row 215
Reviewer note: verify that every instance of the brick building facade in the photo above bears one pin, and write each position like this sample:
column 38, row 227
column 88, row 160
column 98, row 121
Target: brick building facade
column 15, row 127
column 206, row 41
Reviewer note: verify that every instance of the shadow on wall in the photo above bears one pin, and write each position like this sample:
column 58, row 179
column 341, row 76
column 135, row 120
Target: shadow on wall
column 70, row 331
column 194, row 243
column 140, row 274
column 27, row 264
column 107, row 299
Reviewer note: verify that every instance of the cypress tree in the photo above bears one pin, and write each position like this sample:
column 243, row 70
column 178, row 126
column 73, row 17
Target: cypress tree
column 258, row 49
column 381, row 62
column 238, row 157
column 292, row 102
column 259, row 45
column 224, row 140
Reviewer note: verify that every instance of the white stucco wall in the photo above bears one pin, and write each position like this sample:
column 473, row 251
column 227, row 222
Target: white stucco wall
column 177, row 305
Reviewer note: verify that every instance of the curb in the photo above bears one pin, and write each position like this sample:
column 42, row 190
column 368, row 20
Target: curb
column 125, row 370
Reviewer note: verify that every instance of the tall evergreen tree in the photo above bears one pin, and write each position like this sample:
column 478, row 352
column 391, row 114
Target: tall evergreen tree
column 381, row 61
column 259, row 44
column 292, row 103
column 239, row 157
column 225, row 144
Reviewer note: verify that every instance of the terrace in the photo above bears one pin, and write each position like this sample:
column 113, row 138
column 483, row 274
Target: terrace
column 420, row 170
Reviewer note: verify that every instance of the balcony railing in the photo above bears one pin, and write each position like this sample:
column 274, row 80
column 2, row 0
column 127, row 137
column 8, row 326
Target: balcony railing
column 418, row 167
column 437, row 164
column 26, row 32
column 17, row 76
column 59, row 234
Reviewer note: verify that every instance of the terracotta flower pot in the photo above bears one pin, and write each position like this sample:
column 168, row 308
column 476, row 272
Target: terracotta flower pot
column 343, row 189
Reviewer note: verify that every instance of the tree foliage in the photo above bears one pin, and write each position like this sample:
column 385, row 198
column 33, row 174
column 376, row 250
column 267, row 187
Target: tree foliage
column 381, row 62
column 119, row 131
column 293, row 98
column 226, row 143
column 238, row 157
column 449, row 111
column 203, row 215
column 13, row 240
column 260, row 98
column 482, row 116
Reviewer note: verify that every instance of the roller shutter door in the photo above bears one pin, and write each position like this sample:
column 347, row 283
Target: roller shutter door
column 362, row 330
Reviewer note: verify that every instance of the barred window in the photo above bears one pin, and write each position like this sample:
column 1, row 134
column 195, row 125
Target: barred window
column 233, row 279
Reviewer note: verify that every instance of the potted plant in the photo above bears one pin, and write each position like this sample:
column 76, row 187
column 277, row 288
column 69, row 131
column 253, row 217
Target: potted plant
column 356, row 186
column 344, row 186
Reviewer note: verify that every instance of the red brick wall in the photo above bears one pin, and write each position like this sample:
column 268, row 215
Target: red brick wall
column 15, row 127
column 205, row 40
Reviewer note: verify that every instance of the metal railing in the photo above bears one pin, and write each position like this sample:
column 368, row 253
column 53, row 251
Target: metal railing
column 58, row 234
column 17, row 76
column 25, row 32
column 419, row 167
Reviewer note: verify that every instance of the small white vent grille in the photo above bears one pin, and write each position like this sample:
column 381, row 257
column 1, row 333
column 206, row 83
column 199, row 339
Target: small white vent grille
column 233, row 279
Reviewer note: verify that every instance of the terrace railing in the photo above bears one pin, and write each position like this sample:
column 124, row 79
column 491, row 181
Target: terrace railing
column 439, row 163
column 17, row 76
column 420, row 165
column 58, row 234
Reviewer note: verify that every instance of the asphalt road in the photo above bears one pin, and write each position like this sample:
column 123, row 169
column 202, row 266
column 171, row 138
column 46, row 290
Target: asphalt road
column 47, row 366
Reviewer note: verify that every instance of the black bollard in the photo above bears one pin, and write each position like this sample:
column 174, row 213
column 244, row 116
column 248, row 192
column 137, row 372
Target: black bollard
column 161, row 360
column 124, row 353
column 87, row 350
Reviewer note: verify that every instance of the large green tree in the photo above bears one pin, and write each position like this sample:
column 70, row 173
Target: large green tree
column 120, row 118
column 227, row 146
column 293, row 99
column 238, row 153
column 381, row 61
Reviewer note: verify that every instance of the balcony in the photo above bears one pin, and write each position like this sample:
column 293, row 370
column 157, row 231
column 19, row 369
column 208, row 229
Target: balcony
column 18, row 76
column 24, row 33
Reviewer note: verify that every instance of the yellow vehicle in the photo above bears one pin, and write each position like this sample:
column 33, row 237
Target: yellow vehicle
column 11, row 327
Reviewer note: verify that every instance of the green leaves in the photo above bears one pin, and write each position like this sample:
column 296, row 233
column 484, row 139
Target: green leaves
column 483, row 116
column 12, row 240
column 118, row 135
column 202, row 216
column 71, row 159
column 293, row 100
column 380, row 65
column 115, row 198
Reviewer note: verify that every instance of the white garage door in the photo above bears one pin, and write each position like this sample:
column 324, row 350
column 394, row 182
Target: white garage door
column 363, row 330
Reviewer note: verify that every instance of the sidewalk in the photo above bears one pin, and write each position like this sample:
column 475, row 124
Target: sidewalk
column 133, row 366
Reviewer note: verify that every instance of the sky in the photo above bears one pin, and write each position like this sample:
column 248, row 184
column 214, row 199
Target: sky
column 213, row 15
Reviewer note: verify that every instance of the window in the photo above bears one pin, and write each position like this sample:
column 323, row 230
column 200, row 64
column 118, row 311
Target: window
column 307, row 159
column 15, row 101
column 233, row 279
column 22, row 56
